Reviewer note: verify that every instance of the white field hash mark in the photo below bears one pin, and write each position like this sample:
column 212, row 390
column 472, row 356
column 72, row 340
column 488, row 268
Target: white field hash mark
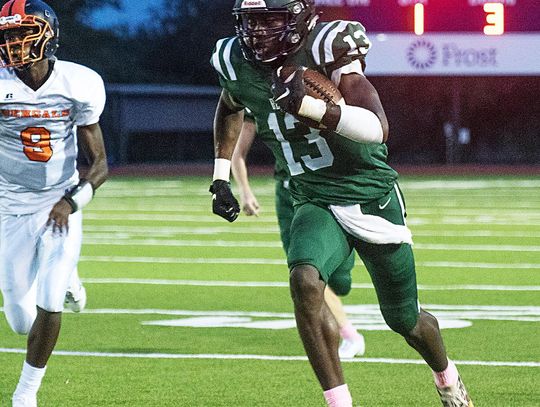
column 267, row 357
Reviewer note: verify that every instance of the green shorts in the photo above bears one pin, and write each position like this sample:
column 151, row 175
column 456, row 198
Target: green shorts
column 339, row 277
column 318, row 239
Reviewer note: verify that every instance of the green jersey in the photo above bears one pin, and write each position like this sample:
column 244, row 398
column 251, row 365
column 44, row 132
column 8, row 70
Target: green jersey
column 325, row 168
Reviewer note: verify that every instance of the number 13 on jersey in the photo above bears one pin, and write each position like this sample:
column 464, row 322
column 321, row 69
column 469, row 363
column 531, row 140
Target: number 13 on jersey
column 326, row 158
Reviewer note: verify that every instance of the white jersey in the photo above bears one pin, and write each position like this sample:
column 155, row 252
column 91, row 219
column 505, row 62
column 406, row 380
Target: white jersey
column 38, row 134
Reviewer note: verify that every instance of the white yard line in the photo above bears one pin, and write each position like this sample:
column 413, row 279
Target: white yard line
column 168, row 208
column 458, row 184
column 149, row 230
column 180, row 260
column 163, row 218
column 267, row 357
column 126, row 241
column 284, row 284
column 417, row 220
column 153, row 231
column 240, row 261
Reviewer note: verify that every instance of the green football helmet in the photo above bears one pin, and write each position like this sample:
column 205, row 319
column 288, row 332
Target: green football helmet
column 269, row 30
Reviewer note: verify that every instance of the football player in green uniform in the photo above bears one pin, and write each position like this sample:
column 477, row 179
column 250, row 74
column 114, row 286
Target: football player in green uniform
column 353, row 343
column 345, row 194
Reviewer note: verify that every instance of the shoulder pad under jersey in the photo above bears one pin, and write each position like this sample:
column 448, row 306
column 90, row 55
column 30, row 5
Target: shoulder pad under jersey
column 338, row 44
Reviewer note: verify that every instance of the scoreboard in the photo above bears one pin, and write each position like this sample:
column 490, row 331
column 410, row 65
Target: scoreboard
column 488, row 17
column 445, row 37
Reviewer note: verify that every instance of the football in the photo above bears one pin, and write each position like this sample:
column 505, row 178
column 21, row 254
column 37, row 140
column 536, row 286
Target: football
column 318, row 86
column 315, row 84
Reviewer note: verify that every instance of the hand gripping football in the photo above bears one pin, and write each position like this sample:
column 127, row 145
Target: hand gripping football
column 315, row 85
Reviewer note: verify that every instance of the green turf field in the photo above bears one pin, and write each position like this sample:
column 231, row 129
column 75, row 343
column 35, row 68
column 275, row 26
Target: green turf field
column 185, row 309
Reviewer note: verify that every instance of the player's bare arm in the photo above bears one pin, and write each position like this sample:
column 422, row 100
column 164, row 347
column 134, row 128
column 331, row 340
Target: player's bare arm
column 358, row 116
column 91, row 141
column 227, row 126
column 248, row 201
column 358, row 91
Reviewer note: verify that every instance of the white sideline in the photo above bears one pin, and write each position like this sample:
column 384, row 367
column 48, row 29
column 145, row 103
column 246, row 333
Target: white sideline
column 267, row 357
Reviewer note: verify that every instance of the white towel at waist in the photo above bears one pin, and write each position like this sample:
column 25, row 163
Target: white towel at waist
column 370, row 228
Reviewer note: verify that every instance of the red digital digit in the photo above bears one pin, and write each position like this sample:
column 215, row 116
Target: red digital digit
column 37, row 143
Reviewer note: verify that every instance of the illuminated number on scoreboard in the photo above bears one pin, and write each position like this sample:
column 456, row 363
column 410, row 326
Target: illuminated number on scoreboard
column 37, row 143
column 494, row 18
column 419, row 19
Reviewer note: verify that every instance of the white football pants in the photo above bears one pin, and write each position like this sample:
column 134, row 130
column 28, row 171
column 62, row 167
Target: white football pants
column 36, row 265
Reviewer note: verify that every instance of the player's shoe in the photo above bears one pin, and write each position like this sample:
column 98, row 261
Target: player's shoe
column 75, row 298
column 455, row 396
column 349, row 349
column 23, row 400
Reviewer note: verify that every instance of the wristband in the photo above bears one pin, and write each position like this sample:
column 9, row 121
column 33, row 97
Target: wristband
column 312, row 108
column 80, row 195
column 222, row 169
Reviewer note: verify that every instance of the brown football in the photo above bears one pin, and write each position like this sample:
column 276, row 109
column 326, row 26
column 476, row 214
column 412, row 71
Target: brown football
column 320, row 87
column 316, row 85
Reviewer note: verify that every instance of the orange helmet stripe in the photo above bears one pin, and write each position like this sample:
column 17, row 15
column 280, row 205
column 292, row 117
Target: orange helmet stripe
column 14, row 7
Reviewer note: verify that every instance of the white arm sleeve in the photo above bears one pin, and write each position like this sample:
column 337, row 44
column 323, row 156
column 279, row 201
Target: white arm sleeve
column 360, row 125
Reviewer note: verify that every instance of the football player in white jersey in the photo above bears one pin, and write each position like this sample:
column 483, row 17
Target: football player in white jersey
column 46, row 106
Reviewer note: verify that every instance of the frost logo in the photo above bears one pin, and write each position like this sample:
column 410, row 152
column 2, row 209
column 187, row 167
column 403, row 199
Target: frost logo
column 422, row 54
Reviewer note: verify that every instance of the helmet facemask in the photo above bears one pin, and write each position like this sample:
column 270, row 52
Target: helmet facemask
column 269, row 34
column 20, row 51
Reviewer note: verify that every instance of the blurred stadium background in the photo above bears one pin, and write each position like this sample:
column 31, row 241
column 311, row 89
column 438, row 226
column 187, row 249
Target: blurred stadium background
column 453, row 95
column 179, row 299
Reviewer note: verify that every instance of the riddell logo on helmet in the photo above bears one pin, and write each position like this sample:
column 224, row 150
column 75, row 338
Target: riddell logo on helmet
column 16, row 19
column 253, row 3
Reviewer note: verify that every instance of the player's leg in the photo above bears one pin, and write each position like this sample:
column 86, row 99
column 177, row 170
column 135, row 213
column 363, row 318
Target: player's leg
column 316, row 325
column 75, row 299
column 18, row 246
column 56, row 258
column 392, row 269
column 284, row 212
column 340, row 283
column 352, row 343
column 318, row 244
column 17, row 275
